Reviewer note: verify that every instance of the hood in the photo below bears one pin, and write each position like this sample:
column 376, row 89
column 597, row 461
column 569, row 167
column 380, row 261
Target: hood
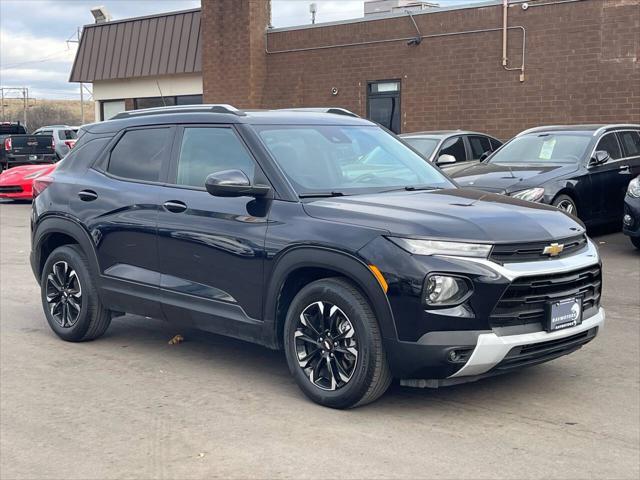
column 508, row 178
column 454, row 214
column 18, row 173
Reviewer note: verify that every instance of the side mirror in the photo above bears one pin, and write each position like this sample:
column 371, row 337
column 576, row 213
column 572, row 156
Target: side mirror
column 445, row 159
column 233, row 183
column 485, row 155
column 599, row 157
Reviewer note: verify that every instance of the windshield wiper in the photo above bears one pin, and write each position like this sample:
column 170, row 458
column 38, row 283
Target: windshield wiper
column 413, row 188
column 321, row 194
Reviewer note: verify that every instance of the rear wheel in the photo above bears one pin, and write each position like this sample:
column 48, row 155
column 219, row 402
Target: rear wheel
column 635, row 241
column 334, row 346
column 566, row 204
column 69, row 297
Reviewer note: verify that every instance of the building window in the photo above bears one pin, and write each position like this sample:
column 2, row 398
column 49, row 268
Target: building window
column 188, row 99
column 152, row 102
column 383, row 104
column 110, row 108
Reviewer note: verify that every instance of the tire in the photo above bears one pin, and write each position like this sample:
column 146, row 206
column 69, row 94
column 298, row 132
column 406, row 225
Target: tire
column 76, row 314
column 358, row 378
column 635, row 241
column 566, row 204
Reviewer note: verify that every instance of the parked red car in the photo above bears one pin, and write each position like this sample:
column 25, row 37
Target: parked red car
column 17, row 182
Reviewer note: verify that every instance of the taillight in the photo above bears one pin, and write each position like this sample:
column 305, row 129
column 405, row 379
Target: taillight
column 40, row 184
column 53, row 143
column 7, row 144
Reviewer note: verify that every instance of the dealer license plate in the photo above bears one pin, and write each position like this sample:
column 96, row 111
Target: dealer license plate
column 564, row 313
column 33, row 157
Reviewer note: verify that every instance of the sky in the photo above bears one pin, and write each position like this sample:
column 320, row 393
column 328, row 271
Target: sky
column 36, row 36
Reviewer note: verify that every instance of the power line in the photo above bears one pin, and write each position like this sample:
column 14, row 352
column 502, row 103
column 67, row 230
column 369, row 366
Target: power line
column 42, row 60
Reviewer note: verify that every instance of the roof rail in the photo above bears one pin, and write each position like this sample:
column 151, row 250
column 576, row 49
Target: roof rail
column 211, row 108
column 614, row 126
column 539, row 129
column 334, row 110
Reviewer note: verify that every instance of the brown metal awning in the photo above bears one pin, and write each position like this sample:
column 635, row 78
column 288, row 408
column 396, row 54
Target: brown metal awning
column 163, row 44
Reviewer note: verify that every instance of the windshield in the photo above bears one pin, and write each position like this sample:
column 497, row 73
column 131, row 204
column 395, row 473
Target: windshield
column 347, row 159
column 543, row 148
column 425, row 146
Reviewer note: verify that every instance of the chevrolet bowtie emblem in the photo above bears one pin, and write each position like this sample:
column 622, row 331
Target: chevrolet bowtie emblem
column 553, row 250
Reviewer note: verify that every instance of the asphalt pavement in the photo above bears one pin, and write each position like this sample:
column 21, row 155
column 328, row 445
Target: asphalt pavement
column 131, row 406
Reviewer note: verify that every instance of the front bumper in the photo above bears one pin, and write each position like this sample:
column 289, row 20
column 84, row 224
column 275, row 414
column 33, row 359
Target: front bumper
column 492, row 349
column 631, row 220
column 472, row 347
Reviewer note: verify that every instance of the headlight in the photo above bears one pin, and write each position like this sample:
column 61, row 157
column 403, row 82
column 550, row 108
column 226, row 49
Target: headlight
column 33, row 175
column 634, row 188
column 531, row 194
column 437, row 247
column 444, row 290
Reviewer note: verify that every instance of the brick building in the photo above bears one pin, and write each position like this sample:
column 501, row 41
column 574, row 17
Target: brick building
column 567, row 61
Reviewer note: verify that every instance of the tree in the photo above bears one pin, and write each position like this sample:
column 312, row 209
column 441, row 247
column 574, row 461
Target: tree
column 50, row 114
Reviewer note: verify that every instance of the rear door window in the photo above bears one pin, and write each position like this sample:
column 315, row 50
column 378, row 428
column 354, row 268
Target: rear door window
column 630, row 143
column 479, row 144
column 455, row 147
column 609, row 143
column 140, row 154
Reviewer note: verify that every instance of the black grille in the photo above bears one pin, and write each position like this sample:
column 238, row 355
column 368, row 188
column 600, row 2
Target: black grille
column 532, row 354
column 532, row 251
column 10, row 189
column 524, row 301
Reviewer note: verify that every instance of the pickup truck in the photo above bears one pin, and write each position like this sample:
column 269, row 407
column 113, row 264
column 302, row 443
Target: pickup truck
column 19, row 148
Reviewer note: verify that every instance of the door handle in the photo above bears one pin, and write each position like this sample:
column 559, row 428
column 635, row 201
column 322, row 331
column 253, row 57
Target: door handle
column 175, row 206
column 87, row 195
column 624, row 170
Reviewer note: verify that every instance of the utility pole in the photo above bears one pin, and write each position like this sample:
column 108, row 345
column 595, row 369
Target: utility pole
column 77, row 40
column 25, row 97
column 81, row 90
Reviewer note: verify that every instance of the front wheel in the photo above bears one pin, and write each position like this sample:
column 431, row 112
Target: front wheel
column 333, row 345
column 635, row 241
column 566, row 204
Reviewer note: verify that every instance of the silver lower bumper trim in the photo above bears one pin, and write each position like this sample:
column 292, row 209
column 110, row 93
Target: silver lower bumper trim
column 491, row 348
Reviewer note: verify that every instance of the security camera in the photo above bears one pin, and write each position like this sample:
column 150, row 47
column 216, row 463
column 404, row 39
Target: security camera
column 101, row 14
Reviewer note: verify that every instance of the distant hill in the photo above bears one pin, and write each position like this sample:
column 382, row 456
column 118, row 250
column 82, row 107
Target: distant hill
column 42, row 112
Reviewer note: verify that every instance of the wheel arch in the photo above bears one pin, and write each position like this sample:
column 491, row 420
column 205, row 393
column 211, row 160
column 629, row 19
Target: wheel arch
column 301, row 265
column 569, row 192
column 54, row 232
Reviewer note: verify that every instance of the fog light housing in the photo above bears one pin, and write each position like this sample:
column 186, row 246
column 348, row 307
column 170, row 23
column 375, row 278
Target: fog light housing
column 627, row 220
column 446, row 290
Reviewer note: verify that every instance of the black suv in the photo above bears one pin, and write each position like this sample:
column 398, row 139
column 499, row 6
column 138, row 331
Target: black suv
column 320, row 234
column 581, row 169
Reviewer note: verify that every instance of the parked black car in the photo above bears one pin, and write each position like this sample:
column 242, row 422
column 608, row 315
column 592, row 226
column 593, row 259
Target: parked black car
column 320, row 234
column 581, row 169
column 19, row 148
column 446, row 147
column 631, row 219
